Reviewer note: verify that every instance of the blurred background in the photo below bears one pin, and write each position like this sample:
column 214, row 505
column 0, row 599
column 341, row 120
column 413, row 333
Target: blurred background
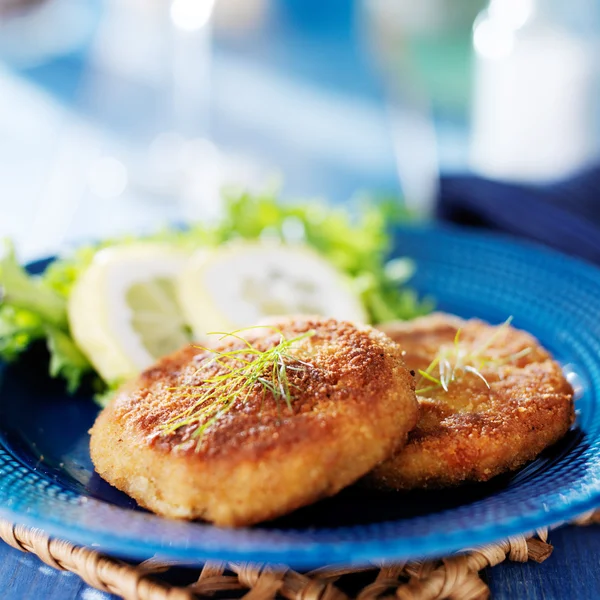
column 121, row 115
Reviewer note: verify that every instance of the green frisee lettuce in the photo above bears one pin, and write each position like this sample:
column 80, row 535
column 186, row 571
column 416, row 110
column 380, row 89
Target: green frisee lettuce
column 356, row 242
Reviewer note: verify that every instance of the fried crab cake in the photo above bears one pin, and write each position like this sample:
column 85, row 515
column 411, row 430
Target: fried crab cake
column 472, row 432
column 255, row 428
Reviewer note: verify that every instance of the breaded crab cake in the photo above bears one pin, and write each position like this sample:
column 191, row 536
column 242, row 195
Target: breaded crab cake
column 508, row 401
column 257, row 426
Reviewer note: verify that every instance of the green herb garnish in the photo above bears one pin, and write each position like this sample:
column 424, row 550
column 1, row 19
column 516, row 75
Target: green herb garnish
column 453, row 362
column 240, row 373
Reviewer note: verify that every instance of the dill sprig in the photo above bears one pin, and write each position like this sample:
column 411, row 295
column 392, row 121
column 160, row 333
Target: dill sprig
column 453, row 362
column 241, row 372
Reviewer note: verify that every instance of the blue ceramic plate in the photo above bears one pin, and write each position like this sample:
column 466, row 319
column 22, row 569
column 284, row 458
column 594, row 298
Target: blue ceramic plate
column 47, row 480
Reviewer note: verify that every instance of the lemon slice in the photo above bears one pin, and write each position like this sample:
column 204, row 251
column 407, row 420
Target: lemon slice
column 123, row 310
column 238, row 285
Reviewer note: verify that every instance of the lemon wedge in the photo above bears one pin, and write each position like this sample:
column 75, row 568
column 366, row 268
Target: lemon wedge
column 123, row 310
column 240, row 284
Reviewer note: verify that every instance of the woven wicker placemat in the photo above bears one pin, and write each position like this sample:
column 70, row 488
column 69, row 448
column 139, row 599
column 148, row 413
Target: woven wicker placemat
column 453, row 577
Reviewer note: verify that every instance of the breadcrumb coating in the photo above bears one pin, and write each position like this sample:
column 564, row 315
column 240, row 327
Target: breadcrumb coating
column 353, row 405
column 470, row 432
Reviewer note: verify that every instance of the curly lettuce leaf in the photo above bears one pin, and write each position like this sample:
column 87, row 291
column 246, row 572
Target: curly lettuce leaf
column 23, row 291
column 66, row 360
column 356, row 241
column 30, row 310
column 18, row 329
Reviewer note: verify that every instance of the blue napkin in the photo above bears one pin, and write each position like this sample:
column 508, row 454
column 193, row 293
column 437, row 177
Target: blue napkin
column 564, row 215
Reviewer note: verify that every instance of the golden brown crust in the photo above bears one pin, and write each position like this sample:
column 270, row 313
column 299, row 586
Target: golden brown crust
column 472, row 433
column 353, row 405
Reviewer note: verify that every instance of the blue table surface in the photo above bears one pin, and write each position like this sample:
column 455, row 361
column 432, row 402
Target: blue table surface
column 571, row 572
